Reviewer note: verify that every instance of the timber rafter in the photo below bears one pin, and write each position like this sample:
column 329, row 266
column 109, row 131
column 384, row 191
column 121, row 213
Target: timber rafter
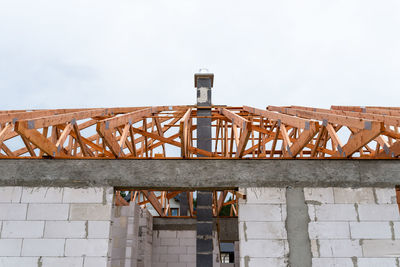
column 161, row 201
column 170, row 132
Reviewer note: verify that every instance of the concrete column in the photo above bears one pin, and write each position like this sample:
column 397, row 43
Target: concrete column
column 297, row 221
column 204, row 239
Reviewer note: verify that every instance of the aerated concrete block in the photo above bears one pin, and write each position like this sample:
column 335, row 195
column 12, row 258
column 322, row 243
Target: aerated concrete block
column 385, row 195
column 91, row 212
column 65, row 229
column 42, row 195
column 169, row 258
column 381, row 212
column 19, row 261
column 10, row 194
column 86, row 247
column 48, row 212
column 43, row 247
column 335, row 212
column 62, row 261
column 176, row 250
column 332, row 262
column 99, row 229
column 83, row 195
column 95, row 262
column 353, row 195
column 319, row 195
column 270, row 195
column 262, row 230
column 166, row 234
column 341, row 248
column 22, row 229
column 370, row 230
column 13, row 211
column 381, row 248
column 376, row 262
column 10, row 247
column 187, row 258
column 262, row 248
column 260, row 212
column 263, row 262
column 328, row 230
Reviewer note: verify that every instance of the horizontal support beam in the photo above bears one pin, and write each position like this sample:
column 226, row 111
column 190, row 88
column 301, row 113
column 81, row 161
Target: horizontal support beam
column 199, row 173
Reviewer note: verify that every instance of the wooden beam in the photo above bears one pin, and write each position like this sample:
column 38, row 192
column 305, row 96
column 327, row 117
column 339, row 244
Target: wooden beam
column 283, row 118
column 28, row 146
column 160, row 132
column 234, row 118
column 184, row 133
column 24, row 115
column 37, row 123
column 336, row 142
column 305, row 137
column 278, row 129
column 174, row 143
column 387, row 119
column 64, row 135
column 314, row 150
column 131, row 118
column 5, row 131
column 84, row 149
column 360, row 139
column 348, row 121
column 244, row 137
column 37, row 139
column 154, row 201
column 109, row 139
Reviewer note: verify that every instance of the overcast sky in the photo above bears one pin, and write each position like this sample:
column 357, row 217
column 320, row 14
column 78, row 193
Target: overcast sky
column 77, row 53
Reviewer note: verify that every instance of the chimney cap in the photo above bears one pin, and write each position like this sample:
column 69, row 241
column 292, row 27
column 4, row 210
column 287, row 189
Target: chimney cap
column 201, row 75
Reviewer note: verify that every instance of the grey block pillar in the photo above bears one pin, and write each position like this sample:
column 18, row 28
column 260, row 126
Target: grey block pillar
column 204, row 240
column 183, row 204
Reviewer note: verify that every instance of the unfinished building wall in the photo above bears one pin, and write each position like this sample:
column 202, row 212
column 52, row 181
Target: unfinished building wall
column 54, row 226
column 354, row 227
column 145, row 239
column 177, row 248
column 350, row 227
column 262, row 233
column 125, row 236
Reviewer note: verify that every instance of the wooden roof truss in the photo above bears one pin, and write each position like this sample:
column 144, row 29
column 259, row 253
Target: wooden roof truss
column 170, row 132
column 160, row 201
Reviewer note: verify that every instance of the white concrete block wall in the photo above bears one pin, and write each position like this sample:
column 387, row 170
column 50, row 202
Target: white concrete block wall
column 178, row 248
column 124, row 236
column 262, row 233
column 145, row 238
column 174, row 248
column 353, row 227
column 132, row 239
column 119, row 230
column 54, row 226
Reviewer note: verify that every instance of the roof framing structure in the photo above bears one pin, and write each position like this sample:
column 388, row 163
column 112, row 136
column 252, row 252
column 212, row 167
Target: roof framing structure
column 160, row 201
column 170, row 132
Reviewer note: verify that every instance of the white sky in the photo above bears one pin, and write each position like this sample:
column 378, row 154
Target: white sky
column 76, row 53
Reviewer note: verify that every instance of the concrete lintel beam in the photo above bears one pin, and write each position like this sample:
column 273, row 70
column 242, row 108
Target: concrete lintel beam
column 199, row 173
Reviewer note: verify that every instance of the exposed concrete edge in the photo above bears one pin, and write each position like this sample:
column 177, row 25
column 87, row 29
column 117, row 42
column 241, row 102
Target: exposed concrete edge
column 204, row 173
column 297, row 228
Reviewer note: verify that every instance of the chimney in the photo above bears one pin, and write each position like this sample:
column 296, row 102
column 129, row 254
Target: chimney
column 203, row 81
